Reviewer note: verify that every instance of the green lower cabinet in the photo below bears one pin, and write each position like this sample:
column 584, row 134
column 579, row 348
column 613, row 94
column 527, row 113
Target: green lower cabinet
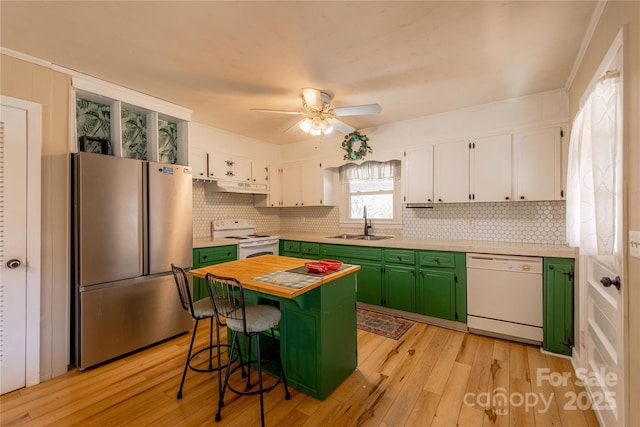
column 437, row 293
column 442, row 285
column 316, row 337
column 203, row 257
column 369, row 281
column 558, row 305
column 400, row 287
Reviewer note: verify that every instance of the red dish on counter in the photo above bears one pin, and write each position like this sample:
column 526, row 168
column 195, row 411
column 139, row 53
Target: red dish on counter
column 331, row 264
column 316, row 267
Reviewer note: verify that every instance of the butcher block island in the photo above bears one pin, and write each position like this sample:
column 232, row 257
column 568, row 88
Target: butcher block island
column 317, row 333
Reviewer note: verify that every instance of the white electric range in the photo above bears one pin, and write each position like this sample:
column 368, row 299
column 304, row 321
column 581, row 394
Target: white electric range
column 250, row 244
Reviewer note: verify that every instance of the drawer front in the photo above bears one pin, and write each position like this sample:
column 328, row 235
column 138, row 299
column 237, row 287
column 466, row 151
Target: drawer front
column 290, row 246
column 344, row 251
column 216, row 254
column 310, row 248
column 399, row 256
column 437, row 259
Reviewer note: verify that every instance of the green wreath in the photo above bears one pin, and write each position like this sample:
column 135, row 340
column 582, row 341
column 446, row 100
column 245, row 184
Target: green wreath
column 362, row 149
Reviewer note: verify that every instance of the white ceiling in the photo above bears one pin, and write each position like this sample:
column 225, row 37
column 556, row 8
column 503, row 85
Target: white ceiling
column 222, row 58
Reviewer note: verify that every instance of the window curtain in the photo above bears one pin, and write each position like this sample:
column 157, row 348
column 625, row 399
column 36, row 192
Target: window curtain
column 594, row 186
column 370, row 171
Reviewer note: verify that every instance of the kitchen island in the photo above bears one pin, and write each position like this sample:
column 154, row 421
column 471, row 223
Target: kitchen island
column 317, row 333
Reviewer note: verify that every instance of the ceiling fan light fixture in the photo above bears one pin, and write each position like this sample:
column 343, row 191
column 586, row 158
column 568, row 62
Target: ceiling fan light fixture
column 305, row 125
column 315, row 132
column 327, row 127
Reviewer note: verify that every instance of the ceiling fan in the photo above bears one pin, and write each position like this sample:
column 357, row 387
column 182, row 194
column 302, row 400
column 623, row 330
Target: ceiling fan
column 320, row 117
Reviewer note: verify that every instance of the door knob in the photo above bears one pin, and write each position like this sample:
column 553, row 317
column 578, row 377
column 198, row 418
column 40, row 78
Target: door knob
column 14, row 263
column 607, row 282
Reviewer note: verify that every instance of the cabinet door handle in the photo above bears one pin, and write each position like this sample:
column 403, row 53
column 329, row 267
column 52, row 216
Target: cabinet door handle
column 399, row 258
column 521, row 197
column 607, row 282
column 439, row 200
column 506, row 198
column 436, row 260
column 422, row 273
column 204, row 256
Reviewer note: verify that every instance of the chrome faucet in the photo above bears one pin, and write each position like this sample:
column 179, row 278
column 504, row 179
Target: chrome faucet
column 367, row 226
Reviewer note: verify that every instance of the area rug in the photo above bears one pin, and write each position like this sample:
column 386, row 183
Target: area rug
column 382, row 324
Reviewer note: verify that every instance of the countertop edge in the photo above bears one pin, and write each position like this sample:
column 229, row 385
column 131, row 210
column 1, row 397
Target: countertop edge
column 469, row 246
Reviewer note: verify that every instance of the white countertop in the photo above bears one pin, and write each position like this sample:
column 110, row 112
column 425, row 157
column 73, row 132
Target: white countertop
column 479, row 246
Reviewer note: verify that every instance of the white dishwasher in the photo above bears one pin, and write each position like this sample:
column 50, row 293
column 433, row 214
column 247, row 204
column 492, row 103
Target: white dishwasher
column 504, row 296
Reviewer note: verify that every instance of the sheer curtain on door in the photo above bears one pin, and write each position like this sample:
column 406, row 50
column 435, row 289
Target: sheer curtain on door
column 594, row 175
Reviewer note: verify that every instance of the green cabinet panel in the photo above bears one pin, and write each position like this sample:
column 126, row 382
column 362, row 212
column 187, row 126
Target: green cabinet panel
column 437, row 293
column 355, row 252
column 400, row 256
column 317, row 336
column 308, row 248
column 369, row 281
column 437, row 259
column 442, row 285
column 289, row 246
column 558, row 305
column 203, row 257
column 400, row 287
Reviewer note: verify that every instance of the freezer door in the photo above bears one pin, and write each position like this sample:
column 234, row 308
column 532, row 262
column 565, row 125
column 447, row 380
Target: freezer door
column 108, row 218
column 170, row 227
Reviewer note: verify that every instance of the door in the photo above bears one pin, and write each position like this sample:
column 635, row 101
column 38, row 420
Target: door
column 170, row 208
column 400, row 288
column 451, row 172
column 13, row 205
column 291, row 194
column 491, row 169
column 537, row 167
column 419, row 175
column 436, row 293
column 109, row 218
column 595, row 224
column 20, row 124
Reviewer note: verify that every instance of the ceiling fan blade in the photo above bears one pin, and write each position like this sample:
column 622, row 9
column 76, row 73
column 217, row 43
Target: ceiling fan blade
column 357, row 110
column 341, row 127
column 264, row 110
column 294, row 127
column 312, row 97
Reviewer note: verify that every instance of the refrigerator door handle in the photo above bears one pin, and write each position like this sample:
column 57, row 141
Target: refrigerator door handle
column 144, row 218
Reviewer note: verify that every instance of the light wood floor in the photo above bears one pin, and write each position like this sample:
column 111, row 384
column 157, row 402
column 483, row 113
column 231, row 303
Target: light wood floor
column 431, row 376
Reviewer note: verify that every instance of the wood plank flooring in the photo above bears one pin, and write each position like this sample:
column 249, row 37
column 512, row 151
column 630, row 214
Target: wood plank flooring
column 430, row 377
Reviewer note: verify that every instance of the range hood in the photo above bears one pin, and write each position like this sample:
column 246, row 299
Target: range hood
column 235, row 187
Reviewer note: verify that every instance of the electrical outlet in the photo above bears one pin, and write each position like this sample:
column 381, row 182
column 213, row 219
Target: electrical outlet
column 634, row 243
column 470, row 222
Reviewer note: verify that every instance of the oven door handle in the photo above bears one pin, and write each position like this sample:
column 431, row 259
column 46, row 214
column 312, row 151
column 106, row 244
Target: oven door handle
column 258, row 244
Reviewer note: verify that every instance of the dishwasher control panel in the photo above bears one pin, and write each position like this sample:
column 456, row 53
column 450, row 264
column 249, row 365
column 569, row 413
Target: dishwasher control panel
column 505, row 263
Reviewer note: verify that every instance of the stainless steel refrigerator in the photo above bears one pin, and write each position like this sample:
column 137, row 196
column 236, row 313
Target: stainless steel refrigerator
column 131, row 220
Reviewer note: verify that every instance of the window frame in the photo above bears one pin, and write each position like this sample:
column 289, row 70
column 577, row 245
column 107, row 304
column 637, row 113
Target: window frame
column 345, row 204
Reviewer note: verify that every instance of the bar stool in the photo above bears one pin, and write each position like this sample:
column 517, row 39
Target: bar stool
column 251, row 320
column 199, row 310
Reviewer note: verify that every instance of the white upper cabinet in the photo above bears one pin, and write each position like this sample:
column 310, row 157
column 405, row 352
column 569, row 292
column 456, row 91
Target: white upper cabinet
column 451, row 172
column 418, row 175
column 316, row 184
column 291, row 185
column 260, row 172
column 537, row 165
column 274, row 198
column 223, row 167
column 490, row 163
column 198, row 159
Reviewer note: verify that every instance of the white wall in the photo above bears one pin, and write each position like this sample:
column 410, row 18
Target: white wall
column 221, row 141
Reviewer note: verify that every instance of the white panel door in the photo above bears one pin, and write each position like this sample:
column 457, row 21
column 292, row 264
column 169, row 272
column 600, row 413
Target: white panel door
column 418, row 175
column 537, row 169
column 291, row 194
column 491, row 169
column 13, row 249
column 451, row 172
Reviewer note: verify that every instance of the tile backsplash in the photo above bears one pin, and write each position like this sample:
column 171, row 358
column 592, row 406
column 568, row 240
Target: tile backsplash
column 525, row 222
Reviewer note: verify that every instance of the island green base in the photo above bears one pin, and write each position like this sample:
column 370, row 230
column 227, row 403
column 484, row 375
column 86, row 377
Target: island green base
column 317, row 336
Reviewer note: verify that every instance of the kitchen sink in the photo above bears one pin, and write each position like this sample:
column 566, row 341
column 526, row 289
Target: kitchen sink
column 372, row 237
column 360, row 237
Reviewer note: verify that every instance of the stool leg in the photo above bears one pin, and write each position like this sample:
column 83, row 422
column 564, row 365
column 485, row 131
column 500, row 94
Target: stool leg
column 287, row 396
column 249, row 363
column 234, row 345
column 218, row 350
column 260, row 379
column 211, row 343
column 186, row 365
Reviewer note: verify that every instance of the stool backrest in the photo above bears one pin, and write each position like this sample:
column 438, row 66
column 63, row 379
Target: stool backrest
column 184, row 289
column 227, row 298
